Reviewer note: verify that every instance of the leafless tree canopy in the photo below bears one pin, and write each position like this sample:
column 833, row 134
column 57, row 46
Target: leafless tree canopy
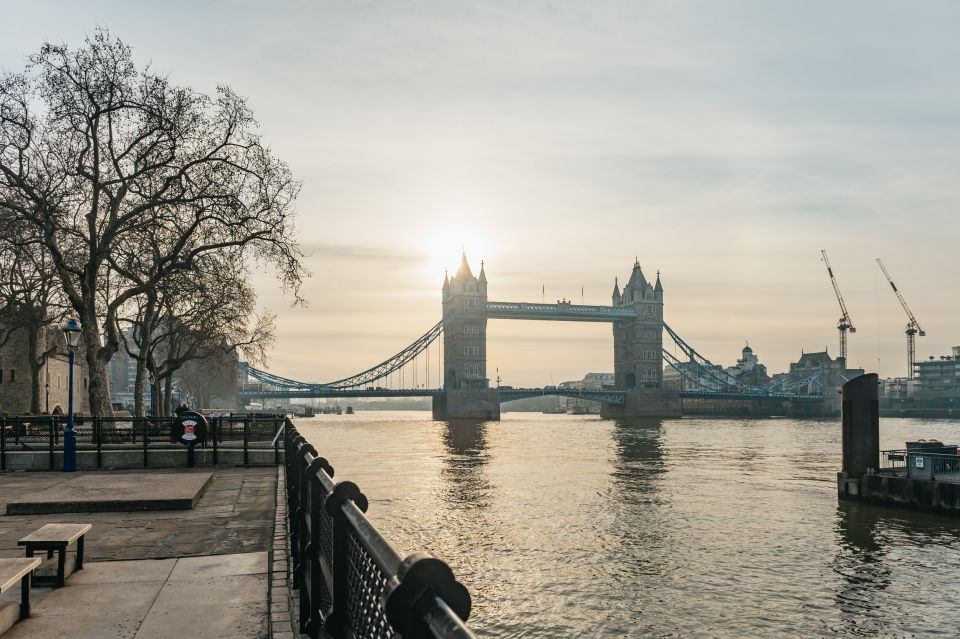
column 127, row 180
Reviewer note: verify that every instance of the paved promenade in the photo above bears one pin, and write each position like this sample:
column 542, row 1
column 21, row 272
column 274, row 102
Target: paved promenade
column 152, row 575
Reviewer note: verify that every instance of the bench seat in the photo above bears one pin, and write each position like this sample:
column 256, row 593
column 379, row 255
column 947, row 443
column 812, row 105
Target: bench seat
column 56, row 537
column 18, row 570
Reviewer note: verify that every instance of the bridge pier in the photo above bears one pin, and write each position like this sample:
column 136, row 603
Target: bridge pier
column 467, row 404
column 643, row 403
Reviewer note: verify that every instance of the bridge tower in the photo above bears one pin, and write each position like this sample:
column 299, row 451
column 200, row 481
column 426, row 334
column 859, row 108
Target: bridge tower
column 468, row 394
column 638, row 350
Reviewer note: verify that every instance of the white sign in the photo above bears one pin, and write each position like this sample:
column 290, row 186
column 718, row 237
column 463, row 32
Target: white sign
column 918, row 462
column 189, row 430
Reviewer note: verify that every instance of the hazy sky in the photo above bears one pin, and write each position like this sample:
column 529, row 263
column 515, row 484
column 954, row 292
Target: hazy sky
column 724, row 143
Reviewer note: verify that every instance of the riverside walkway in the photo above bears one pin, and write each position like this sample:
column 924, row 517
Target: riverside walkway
column 201, row 572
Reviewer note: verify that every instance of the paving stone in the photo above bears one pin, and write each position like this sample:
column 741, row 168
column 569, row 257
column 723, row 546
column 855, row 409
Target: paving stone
column 114, row 572
column 219, row 565
column 238, row 604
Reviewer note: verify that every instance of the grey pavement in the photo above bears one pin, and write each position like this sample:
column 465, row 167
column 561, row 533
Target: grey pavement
column 156, row 574
column 234, row 515
column 210, row 597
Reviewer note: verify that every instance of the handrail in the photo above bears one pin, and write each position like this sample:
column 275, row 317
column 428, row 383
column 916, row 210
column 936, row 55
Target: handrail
column 351, row 581
column 98, row 437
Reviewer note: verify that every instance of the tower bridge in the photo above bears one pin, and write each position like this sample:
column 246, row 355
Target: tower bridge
column 464, row 390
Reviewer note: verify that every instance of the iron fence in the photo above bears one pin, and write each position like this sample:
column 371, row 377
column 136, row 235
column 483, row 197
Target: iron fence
column 351, row 582
column 146, row 434
column 920, row 464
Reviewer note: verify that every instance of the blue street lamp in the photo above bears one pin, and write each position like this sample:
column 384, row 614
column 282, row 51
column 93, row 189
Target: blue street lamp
column 71, row 331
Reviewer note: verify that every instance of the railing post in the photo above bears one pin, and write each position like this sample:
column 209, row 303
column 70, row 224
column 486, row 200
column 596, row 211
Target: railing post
column 145, row 442
column 52, row 424
column 215, row 427
column 277, row 425
column 3, row 443
column 246, row 440
column 338, row 623
column 310, row 572
column 98, row 437
column 405, row 600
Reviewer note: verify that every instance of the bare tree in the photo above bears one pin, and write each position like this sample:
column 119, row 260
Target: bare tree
column 96, row 154
column 197, row 315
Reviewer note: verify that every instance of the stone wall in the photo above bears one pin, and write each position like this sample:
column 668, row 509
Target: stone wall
column 15, row 383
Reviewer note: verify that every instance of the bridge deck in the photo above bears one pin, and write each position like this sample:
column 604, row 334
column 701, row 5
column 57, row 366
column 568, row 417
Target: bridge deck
column 562, row 312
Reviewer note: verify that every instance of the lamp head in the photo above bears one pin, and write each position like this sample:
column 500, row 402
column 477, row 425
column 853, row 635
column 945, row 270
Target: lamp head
column 71, row 331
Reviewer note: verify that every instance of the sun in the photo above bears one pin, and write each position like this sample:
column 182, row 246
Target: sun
column 443, row 248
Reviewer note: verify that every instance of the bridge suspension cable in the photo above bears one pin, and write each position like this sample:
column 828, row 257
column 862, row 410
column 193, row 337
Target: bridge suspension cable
column 372, row 374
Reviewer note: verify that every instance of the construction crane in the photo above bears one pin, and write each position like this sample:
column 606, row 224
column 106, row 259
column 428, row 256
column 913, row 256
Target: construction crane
column 845, row 324
column 913, row 326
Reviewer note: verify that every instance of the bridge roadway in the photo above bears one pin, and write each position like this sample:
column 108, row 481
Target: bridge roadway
column 509, row 394
column 561, row 311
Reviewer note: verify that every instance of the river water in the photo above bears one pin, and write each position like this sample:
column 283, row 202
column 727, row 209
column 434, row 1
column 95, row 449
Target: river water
column 573, row 526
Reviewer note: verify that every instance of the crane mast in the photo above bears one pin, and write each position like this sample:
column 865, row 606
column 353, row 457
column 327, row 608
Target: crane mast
column 913, row 326
column 845, row 324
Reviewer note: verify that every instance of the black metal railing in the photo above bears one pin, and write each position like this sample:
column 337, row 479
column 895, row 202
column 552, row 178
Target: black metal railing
column 351, row 582
column 920, row 464
column 146, row 434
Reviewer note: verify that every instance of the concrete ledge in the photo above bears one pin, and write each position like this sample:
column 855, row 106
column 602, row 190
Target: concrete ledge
column 121, row 492
column 905, row 492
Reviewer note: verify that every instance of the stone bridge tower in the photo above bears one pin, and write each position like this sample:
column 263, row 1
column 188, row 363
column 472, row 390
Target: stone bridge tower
column 465, row 333
column 638, row 350
column 468, row 393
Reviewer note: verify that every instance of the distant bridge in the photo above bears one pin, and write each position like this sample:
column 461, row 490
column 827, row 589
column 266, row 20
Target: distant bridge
column 459, row 383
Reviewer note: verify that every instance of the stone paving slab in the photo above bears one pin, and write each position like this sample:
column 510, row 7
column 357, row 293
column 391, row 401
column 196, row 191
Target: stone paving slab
column 231, row 517
column 114, row 492
column 155, row 599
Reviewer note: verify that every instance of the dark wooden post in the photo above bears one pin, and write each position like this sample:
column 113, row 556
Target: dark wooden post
column 861, row 425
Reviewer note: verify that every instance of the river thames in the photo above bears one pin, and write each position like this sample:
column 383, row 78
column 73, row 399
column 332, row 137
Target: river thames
column 572, row 526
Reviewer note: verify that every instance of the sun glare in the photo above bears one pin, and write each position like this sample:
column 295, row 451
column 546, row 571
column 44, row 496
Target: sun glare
column 443, row 248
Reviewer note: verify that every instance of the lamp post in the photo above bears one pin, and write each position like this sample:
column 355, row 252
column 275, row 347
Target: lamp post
column 71, row 331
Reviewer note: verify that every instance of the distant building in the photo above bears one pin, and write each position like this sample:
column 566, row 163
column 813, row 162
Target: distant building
column 15, row 375
column 938, row 378
column 693, row 376
column 831, row 374
column 897, row 388
column 748, row 370
column 590, row 381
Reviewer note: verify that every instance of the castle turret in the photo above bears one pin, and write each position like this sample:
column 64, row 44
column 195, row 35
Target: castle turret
column 617, row 298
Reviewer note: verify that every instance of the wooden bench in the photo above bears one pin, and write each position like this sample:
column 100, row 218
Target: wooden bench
column 13, row 570
column 57, row 537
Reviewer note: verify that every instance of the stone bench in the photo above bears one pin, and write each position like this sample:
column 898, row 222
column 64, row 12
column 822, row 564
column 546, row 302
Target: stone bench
column 56, row 537
column 11, row 572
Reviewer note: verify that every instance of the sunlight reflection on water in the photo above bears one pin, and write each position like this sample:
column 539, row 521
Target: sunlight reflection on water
column 565, row 526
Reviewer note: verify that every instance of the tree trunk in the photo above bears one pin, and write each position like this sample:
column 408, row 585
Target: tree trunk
column 33, row 336
column 155, row 392
column 97, row 358
column 139, row 383
column 167, row 395
column 142, row 338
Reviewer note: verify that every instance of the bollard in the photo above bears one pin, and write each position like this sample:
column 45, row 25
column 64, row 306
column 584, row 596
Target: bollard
column 861, row 425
